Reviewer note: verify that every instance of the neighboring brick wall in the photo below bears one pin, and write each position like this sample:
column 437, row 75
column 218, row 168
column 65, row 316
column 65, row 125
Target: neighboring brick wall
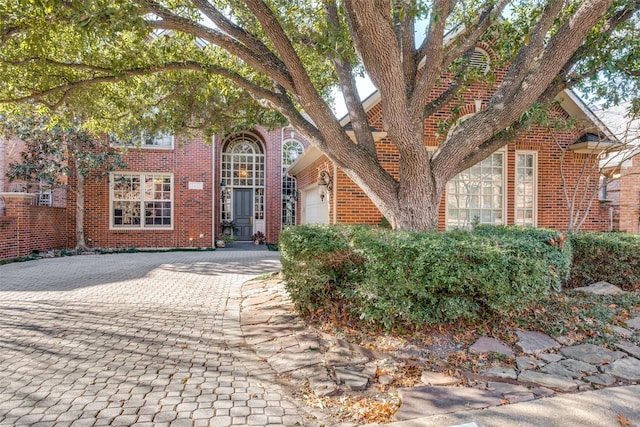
column 629, row 205
column 10, row 152
column 9, row 245
column 26, row 228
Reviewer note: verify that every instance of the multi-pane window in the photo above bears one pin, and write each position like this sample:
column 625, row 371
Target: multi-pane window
column 243, row 163
column 243, row 167
column 141, row 200
column 476, row 195
column 291, row 150
column 525, row 189
column 145, row 140
column 259, row 200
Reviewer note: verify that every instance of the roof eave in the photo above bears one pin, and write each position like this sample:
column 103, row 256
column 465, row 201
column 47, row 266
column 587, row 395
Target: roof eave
column 310, row 155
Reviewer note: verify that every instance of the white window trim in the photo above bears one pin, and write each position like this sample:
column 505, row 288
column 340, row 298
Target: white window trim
column 116, row 144
column 285, row 178
column 143, row 226
column 535, row 185
column 485, row 66
column 505, row 172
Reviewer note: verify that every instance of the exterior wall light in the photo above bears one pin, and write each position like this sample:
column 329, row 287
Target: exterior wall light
column 325, row 183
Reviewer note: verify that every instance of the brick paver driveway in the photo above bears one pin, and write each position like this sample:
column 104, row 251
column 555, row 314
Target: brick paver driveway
column 133, row 339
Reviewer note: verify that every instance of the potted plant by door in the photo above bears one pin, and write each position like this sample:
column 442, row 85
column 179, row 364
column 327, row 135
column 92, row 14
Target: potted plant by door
column 228, row 227
column 258, row 238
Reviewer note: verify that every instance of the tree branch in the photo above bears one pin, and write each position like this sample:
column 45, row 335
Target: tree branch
column 270, row 65
column 372, row 30
column 256, row 91
column 444, row 98
column 235, row 31
column 344, row 71
column 433, row 51
column 469, row 37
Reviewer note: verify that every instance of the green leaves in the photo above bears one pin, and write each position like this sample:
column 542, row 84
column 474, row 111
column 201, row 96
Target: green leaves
column 50, row 149
column 396, row 279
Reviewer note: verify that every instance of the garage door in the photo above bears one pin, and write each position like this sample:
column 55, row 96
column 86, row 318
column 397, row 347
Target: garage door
column 316, row 211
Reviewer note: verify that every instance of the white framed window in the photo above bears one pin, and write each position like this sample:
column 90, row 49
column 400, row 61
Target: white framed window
column 141, row 200
column 160, row 140
column 526, row 188
column 291, row 150
column 477, row 195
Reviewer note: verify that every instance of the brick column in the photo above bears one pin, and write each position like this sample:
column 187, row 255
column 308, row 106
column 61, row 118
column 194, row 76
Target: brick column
column 18, row 206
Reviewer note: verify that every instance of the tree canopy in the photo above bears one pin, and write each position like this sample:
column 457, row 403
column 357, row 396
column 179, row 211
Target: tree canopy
column 219, row 65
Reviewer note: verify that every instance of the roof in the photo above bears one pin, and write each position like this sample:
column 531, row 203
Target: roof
column 627, row 130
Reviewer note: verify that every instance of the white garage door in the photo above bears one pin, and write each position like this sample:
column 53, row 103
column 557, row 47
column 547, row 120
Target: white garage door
column 316, row 211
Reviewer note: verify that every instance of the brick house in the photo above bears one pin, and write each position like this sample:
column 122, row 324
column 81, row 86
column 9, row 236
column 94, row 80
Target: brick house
column 177, row 192
column 32, row 216
column 530, row 182
column 620, row 180
column 46, row 194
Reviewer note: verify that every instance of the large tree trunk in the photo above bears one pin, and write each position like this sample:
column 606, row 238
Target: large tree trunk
column 81, row 245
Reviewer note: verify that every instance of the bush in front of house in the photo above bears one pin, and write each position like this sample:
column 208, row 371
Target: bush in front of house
column 536, row 242
column 612, row 257
column 319, row 267
column 399, row 279
column 433, row 278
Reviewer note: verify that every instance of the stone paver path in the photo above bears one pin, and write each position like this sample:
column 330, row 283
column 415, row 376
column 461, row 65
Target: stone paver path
column 146, row 339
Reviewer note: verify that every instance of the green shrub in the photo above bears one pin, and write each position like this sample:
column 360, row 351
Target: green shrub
column 393, row 279
column 319, row 266
column 554, row 247
column 612, row 257
column 429, row 278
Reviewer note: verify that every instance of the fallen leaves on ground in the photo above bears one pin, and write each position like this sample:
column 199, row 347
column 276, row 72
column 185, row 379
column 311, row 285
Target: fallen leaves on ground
column 624, row 421
column 372, row 409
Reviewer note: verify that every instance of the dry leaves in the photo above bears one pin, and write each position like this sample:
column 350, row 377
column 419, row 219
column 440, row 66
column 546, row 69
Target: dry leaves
column 624, row 421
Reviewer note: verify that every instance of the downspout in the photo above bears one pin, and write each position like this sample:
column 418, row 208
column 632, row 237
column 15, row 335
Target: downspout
column 214, row 192
column 3, row 143
column 610, row 219
column 335, row 194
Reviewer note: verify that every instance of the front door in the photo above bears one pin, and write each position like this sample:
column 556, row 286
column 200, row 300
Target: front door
column 243, row 213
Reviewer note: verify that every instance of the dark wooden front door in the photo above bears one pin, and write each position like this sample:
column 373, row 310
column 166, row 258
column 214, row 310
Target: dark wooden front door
column 243, row 213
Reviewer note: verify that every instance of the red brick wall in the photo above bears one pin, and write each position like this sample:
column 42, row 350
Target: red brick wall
column 9, row 245
column 26, row 228
column 629, row 199
column 193, row 210
column 579, row 173
column 189, row 161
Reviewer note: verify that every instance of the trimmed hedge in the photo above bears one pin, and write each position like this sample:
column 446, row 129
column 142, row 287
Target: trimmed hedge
column 535, row 242
column 398, row 279
column 612, row 257
column 319, row 266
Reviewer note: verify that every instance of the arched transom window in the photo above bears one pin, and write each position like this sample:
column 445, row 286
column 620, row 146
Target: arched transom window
column 243, row 162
